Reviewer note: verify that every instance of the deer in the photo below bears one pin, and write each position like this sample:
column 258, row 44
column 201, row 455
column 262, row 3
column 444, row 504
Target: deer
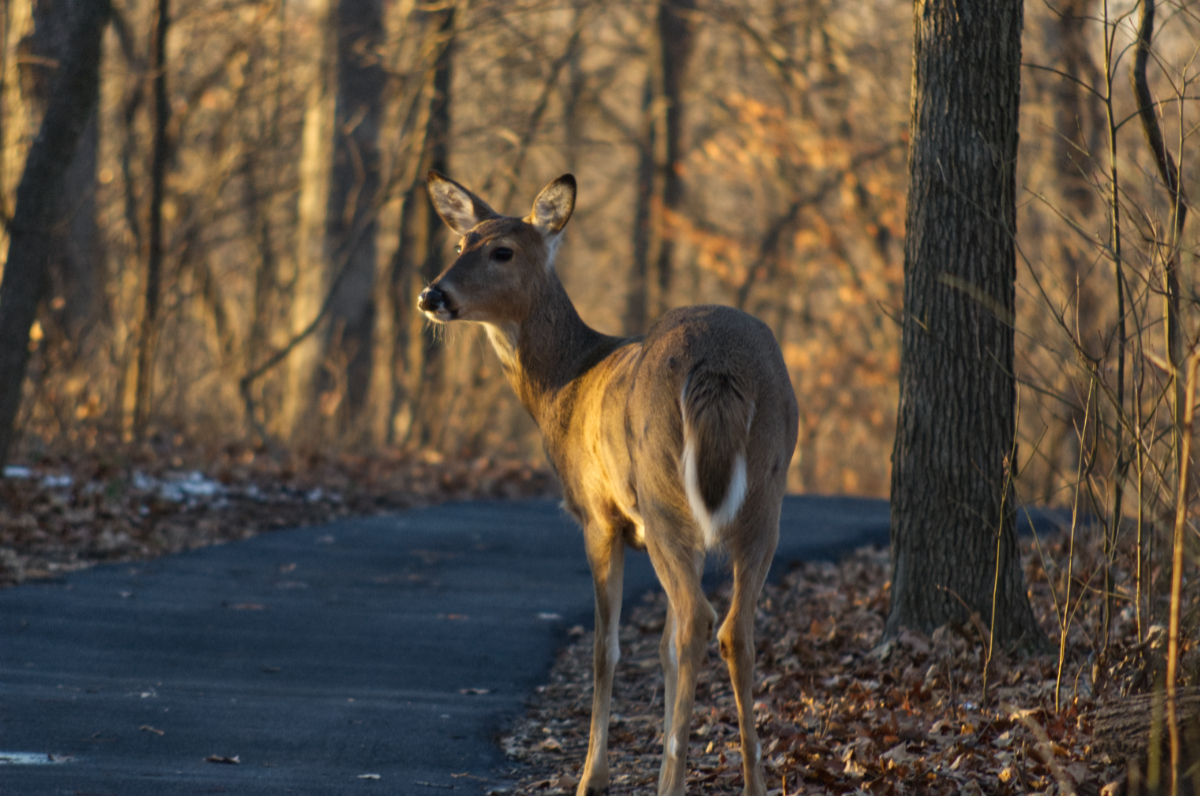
column 676, row 443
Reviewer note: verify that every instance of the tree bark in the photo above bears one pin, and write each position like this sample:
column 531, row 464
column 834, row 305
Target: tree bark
column 431, row 413
column 659, row 176
column 953, row 512
column 73, row 256
column 676, row 41
column 74, row 91
column 306, row 272
column 160, row 153
column 646, row 229
column 417, row 248
column 354, row 192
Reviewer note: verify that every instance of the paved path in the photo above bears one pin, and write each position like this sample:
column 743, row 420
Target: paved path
column 396, row 647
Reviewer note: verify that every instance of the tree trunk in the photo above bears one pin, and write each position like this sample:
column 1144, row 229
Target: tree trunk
column 74, row 92
column 73, row 258
column 160, row 152
column 952, row 499
column 659, row 178
column 431, row 413
column 353, row 195
column 307, row 267
column 646, row 228
column 676, row 41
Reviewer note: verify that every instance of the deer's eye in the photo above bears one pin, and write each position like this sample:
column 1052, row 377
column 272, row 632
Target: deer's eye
column 502, row 254
column 458, row 249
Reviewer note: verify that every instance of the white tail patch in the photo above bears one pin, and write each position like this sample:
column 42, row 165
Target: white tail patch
column 712, row 524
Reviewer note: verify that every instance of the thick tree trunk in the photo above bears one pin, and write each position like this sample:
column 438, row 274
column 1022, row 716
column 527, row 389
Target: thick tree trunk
column 74, row 92
column 73, row 256
column 353, row 195
column 952, row 499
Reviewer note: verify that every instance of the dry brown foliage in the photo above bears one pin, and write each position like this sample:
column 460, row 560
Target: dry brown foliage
column 120, row 502
column 839, row 711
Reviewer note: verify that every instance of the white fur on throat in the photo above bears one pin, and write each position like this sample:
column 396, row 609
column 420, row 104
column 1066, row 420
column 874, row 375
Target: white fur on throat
column 551, row 242
column 504, row 341
column 735, row 494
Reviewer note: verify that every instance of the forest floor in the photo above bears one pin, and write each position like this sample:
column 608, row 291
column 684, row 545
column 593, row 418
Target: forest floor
column 837, row 710
column 68, row 510
column 840, row 713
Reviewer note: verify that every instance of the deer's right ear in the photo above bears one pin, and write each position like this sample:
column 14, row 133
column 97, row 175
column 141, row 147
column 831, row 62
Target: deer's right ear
column 553, row 207
column 459, row 208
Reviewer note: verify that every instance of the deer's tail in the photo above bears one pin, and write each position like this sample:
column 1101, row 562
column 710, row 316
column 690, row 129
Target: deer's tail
column 717, row 412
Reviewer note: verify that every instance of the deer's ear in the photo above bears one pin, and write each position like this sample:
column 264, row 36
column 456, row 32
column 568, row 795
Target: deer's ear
column 554, row 205
column 459, row 208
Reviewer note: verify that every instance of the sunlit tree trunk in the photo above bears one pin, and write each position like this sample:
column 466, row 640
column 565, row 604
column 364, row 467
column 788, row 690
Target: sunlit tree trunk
column 953, row 511
column 73, row 92
column 17, row 129
column 308, row 270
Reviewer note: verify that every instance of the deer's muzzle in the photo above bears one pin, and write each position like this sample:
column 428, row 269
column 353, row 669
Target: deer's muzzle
column 435, row 304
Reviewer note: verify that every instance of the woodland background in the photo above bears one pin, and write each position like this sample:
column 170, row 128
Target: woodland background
column 749, row 153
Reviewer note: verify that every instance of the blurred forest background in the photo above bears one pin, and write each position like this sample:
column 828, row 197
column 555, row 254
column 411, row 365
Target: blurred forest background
column 245, row 228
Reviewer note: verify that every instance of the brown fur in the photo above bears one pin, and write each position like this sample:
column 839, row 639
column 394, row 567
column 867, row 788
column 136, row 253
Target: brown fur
column 612, row 414
column 718, row 414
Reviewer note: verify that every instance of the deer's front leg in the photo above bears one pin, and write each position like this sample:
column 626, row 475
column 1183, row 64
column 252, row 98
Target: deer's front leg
column 606, row 554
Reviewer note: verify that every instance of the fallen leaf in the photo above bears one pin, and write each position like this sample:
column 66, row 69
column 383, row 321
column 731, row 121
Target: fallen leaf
column 235, row 760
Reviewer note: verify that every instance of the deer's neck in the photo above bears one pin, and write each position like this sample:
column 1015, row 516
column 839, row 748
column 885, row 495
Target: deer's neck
column 545, row 353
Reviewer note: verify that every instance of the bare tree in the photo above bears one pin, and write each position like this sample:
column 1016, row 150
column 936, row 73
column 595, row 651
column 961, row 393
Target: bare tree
column 660, row 156
column 74, row 264
column 429, row 411
column 307, row 267
column 353, row 197
column 153, row 256
column 74, row 90
column 954, row 548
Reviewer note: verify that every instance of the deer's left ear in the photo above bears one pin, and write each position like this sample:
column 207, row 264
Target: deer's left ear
column 458, row 207
column 554, row 205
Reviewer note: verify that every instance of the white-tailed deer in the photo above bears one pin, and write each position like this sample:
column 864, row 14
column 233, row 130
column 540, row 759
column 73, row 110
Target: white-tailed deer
column 678, row 443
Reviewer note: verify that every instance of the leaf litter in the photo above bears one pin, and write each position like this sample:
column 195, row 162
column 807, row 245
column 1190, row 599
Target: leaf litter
column 839, row 710
column 65, row 510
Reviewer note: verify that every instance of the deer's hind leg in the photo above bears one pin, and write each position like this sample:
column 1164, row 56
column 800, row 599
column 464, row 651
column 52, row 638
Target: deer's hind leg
column 606, row 555
column 689, row 627
column 752, row 546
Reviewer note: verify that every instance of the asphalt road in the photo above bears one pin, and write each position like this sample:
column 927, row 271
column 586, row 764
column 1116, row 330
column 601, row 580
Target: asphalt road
column 369, row 656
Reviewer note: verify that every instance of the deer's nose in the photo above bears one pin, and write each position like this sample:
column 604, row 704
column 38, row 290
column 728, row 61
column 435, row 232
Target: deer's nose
column 431, row 300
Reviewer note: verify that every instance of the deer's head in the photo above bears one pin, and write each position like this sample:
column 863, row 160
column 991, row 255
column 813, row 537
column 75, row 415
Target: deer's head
column 502, row 261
